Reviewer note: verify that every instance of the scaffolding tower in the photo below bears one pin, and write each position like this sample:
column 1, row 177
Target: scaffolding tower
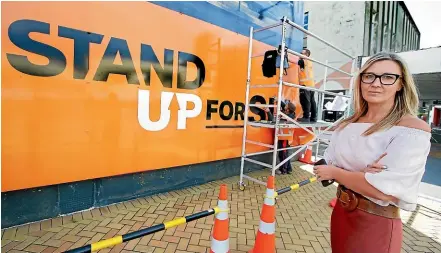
column 319, row 129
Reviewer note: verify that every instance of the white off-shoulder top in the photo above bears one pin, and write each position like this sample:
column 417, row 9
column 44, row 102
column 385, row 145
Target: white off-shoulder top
column 407, row 150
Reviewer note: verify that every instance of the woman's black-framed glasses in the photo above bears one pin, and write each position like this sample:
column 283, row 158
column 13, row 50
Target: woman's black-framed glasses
column 385, row 79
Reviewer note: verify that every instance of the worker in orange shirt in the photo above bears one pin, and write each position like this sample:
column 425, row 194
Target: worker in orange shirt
column 307, row 99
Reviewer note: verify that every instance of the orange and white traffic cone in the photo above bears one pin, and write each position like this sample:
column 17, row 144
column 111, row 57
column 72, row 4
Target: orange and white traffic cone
column 266, row 236
column 307, row 157
column 220, row 242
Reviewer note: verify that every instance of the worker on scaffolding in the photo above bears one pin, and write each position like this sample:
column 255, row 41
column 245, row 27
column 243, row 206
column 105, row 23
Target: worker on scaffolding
column 285, row 139
column 307, row 99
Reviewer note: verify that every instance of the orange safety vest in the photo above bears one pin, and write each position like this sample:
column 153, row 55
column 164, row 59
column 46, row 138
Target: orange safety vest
column 306, row 76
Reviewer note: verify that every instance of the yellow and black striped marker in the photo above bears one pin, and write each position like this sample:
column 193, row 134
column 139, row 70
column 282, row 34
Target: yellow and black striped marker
column 296, row 186
column 143, row 232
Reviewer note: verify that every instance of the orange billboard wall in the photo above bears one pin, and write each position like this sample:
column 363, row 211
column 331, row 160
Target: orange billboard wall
column 91, row 95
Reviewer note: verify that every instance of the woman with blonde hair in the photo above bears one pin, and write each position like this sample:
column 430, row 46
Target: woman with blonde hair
column 378, row 157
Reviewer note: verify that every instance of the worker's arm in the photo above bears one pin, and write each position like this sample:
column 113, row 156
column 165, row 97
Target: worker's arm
column 301, row 63
column 269, row 115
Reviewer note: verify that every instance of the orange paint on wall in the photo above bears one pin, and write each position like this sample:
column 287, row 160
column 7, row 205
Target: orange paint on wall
column 60, row 129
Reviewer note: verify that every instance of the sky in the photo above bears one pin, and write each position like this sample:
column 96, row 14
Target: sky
column 427, row 16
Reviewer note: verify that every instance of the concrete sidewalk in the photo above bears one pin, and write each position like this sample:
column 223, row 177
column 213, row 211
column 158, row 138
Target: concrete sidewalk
column 302, row 221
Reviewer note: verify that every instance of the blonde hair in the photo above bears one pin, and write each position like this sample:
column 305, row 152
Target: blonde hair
column 406, row 99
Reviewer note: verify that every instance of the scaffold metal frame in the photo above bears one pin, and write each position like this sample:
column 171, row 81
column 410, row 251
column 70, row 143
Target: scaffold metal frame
column 316, row 127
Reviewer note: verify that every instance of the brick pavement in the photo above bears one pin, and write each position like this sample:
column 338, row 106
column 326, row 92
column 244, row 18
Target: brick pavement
column 302, row 222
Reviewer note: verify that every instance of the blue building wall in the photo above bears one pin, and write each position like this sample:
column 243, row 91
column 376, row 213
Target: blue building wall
column 239, row 16
column 19, row 207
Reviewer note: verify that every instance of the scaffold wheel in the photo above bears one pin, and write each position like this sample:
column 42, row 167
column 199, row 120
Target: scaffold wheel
column 241, row 186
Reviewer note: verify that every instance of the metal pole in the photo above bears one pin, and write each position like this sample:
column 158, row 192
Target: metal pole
column 314, row 89
column 317, row 37
column 311, row 141
column 269, row 151
column 247, row 94
column 297, row 123
column 338, row 78
column 279, row 96
column 262, row 105
column 267, row 27
column 263, row 86
column 351, row 87
column 258, row 162
column 292, row 155
column 322, row 101
column 318, row 62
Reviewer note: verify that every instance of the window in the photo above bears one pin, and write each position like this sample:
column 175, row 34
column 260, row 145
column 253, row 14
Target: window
column 374, row 28
column 388, row 27
column 394, row 26
column 367, row 27
column 405, row 33
column 379, row 37
column 385, row 37
column 399, row 29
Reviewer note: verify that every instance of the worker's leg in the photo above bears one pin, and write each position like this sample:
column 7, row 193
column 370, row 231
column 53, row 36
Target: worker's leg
column 288, row 163
column 306, row 105
column 282, row 156
column 313, row 107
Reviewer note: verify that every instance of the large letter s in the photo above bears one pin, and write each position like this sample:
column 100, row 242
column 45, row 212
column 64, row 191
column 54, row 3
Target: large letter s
column 18, row 33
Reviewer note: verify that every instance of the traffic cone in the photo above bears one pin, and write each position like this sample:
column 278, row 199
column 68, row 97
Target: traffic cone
column 266, row 237
column 306, row 158
column 220, row 242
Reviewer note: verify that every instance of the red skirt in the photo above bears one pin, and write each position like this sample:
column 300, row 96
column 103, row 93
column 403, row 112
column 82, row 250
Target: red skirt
column 362, row 232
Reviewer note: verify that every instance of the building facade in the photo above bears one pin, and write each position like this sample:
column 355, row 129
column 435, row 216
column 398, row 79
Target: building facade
column 359, row 28
column 388, row 26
